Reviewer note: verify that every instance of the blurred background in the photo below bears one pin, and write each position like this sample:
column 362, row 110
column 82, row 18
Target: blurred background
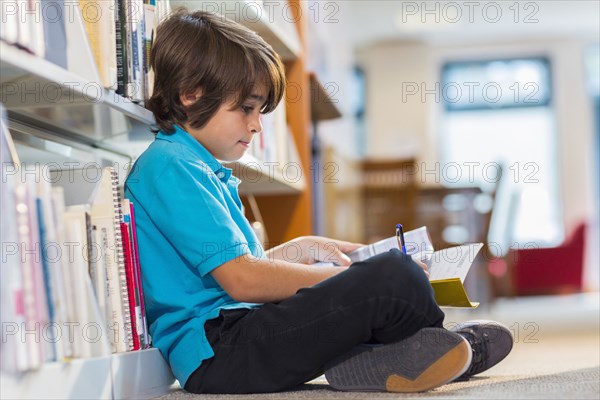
column 479, row 120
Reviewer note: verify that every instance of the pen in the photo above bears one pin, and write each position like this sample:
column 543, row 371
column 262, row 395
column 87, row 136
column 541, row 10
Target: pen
column 400, row 237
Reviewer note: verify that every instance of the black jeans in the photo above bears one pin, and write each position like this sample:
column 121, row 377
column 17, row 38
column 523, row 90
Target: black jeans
column 281, row 345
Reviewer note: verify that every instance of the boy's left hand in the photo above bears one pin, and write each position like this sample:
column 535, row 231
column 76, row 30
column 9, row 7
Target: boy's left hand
column 423, row 266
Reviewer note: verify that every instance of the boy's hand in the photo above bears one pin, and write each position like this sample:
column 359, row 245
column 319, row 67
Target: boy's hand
column 423, row 266
column 311, row 249
column 317, row 248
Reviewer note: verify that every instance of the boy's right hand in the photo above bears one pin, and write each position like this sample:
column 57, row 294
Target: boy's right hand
column 312, row 249
column 318, row 248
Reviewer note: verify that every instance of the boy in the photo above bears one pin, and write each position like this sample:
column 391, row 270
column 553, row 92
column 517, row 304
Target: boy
column 232, row 318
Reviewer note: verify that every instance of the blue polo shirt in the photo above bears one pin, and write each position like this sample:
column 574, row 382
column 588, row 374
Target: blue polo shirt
column 189, row 221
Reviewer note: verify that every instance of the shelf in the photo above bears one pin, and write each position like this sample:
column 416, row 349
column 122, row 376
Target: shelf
column 35, row 90
column 262, row 178
column 78, row 379
column 137, row 374
column 269, row 23
column 323, row 105
column 140, row 374
column 278, row 33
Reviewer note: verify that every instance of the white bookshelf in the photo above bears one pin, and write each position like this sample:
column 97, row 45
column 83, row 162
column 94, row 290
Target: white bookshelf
column 259, row 177
column 55, row 116
column 58, row 87
column 135, row 375
column 270, row 24
column 80, row 379
column 140, row 374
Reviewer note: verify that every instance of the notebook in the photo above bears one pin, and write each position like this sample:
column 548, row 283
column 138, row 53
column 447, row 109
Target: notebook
column 99, row 188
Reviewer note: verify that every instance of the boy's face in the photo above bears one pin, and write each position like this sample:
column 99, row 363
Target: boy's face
column 229, row 133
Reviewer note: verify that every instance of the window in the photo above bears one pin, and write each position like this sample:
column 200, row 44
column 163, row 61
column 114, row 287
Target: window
column 592, row 63
column 492, row 85
column 498, row 117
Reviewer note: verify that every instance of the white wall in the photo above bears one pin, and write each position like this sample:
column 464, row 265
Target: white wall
column 397, row 122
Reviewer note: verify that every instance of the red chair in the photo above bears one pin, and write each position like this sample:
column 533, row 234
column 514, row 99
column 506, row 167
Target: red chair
column 554, row 270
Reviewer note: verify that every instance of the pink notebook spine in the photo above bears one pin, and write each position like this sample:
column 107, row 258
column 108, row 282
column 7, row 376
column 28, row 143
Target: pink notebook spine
column 127, row 250
column 138, row 273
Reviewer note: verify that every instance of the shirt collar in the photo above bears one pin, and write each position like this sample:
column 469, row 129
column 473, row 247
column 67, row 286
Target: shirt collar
column 182, row 137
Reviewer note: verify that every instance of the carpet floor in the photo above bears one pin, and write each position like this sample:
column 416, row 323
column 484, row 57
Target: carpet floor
column 554, row 367
column 546, row 363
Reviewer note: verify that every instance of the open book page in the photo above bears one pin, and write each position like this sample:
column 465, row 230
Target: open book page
column 418, row 246
column 448, row 268
column 453, row 262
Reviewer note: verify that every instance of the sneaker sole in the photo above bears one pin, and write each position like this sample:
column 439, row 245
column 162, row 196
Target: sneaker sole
column 430, row 358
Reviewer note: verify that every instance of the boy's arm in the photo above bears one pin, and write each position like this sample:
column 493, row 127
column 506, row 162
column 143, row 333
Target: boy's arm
column 254, row 280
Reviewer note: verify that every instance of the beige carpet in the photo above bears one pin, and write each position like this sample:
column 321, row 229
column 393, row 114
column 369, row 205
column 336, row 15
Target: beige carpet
column 556, row 356
column 556, row 367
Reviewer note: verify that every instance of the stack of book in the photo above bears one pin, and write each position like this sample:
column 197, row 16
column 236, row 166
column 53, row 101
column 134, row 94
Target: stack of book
column 71, row 281
column 119, row 37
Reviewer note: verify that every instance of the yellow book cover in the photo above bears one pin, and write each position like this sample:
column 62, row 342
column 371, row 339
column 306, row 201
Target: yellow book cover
column 99, row 20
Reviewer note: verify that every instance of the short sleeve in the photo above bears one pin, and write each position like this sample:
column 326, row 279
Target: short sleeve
column 188, row 205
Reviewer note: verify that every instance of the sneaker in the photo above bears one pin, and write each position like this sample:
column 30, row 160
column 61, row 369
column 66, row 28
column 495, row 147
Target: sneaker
column 490, row 341
column 429, row 358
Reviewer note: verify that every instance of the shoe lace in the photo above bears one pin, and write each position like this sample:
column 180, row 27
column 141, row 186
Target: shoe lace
column 479, row 348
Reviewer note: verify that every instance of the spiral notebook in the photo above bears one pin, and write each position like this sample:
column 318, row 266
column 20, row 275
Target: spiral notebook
column 99, row 188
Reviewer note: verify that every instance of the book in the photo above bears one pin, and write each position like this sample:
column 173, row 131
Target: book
column 99, row 21
column 80, row 57
column 31, row 31
column 13, row 350
column 145, row 337
column 97, row 271
column 448, row 268
column 134, row 53
column 133, row 309
column 9, row 28
column 21, row 287
column 149, row 11
column 36, row 311
column 121, row 47
column 55, row 35
column 134, row 303
column 87, row 323
column 133, row 276
column 99, row 189
column 60, row 270
column 42, row 212
column 163, row 8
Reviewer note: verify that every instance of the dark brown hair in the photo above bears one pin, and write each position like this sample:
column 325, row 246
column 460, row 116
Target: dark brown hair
column 202, row 51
